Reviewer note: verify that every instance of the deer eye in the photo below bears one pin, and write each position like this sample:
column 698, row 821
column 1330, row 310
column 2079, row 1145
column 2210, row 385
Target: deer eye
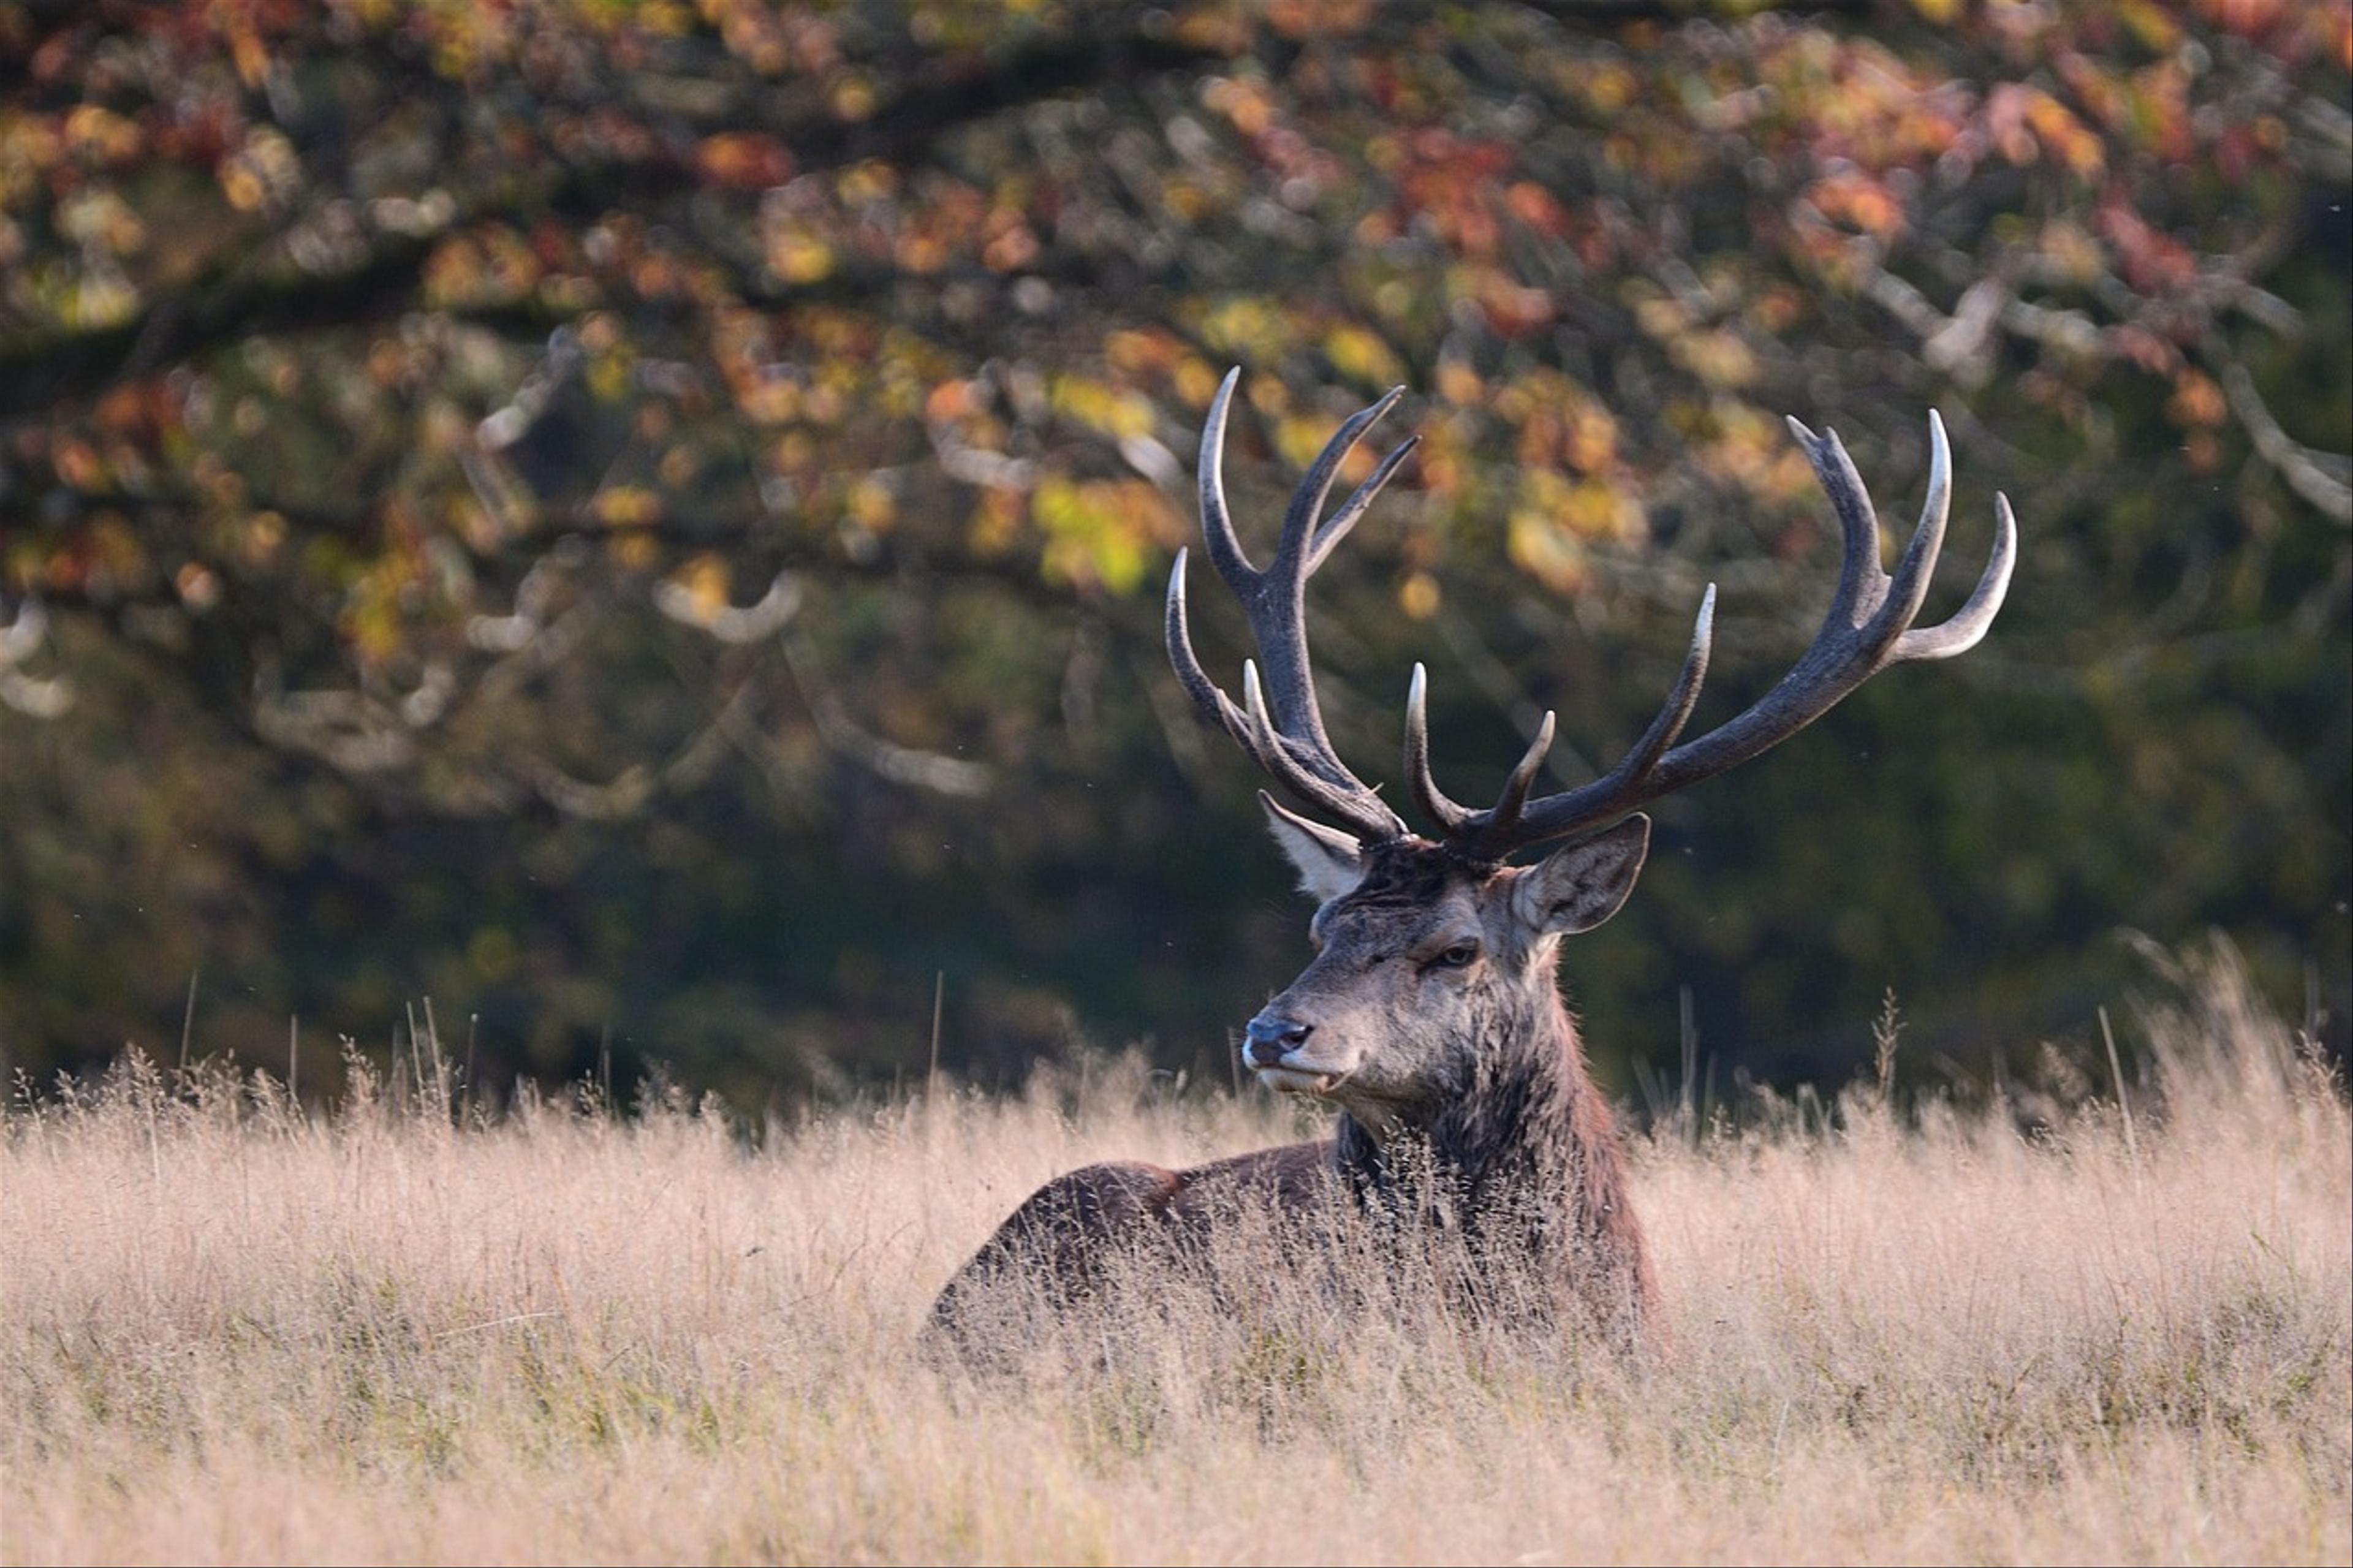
column 1458, row 956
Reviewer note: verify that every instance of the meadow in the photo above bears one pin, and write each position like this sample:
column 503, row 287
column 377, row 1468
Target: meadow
column 2107, row 1321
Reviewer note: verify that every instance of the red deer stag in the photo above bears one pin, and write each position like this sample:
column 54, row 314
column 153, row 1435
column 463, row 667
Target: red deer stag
column 1431, row 1018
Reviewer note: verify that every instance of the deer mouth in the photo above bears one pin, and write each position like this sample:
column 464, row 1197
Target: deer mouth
column 1298, row 1080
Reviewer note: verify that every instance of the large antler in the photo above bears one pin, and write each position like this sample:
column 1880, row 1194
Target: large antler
column 1288, row 742
column 1869, row 628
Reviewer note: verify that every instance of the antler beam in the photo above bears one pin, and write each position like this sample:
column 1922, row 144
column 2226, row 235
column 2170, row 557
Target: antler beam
column 1279, row 725
column 1868, row 628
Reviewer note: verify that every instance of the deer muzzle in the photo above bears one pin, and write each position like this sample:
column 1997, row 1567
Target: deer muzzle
column 1276, row 1049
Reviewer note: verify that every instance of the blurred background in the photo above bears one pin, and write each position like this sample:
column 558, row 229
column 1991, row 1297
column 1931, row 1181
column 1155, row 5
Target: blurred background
column 643, row 524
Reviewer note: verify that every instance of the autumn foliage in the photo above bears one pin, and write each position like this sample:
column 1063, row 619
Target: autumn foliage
column 643, row 519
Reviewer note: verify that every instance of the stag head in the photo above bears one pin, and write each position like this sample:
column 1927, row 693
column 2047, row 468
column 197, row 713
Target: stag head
column 1428, row 968
column 1435, row 954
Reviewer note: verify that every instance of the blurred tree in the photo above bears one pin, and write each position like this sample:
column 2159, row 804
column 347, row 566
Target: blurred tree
column 643, row 522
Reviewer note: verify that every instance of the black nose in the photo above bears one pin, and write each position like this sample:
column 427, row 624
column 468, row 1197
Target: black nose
column 1271, row 1035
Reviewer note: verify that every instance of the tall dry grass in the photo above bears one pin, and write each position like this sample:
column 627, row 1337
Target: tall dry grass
column 232, row 1332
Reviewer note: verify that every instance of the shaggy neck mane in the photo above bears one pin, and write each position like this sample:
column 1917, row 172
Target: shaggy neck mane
column 1523, row 1162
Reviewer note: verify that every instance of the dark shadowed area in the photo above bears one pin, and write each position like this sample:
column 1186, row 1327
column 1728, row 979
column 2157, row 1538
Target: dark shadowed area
column 644, row 523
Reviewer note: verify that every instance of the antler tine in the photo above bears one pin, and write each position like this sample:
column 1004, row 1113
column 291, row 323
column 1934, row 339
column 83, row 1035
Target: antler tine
column 1861, row 582
column 1867, row 629
column 1289, row 743
column 1307, row 501
column 1336, row 527
column 1452, row 816
column 1909, row 588
column 1196, row 680
column 1625, row 785
column 1216, row 521
column 1514, row 797
column 1277, row 603
column 1967, row 625
column 1681, row 696
column 1492, row 833
column 1247, row 723
column 1276, row 754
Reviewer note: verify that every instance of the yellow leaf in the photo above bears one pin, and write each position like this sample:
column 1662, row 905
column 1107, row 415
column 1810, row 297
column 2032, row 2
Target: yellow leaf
column 625, row 506
column 242, row 187
column 1611, row 87
column 996, row 520
column 1719, row 358
column 608, row 374
column 1360, row 355
column 1418, row 595
column 1460, row 385
column 1112, row 410
column 871, row 505
column 1195, row 381
column 1098, row 530
column 1596, row 509
column 854, row 98
column 799, row 257
column 1590, row 443
column 2158, row 31
column 1543, row 548
column 1248, row 326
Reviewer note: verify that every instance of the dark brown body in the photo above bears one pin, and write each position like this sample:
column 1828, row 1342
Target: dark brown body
column 1466, row 1111
column 1066, row 1229
column 1431, row 1018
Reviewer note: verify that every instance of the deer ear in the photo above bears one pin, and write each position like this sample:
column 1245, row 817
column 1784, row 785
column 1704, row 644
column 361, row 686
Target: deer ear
column 1577, row 887
column 1330, row 863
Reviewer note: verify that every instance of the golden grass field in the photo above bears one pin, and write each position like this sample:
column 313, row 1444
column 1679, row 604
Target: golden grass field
column 230, row 1333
